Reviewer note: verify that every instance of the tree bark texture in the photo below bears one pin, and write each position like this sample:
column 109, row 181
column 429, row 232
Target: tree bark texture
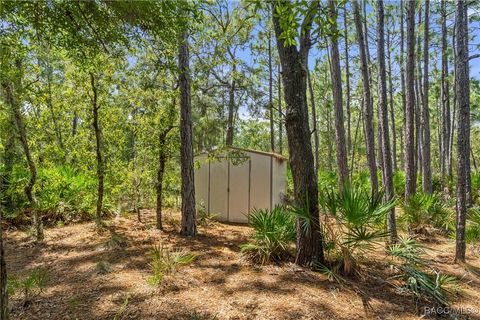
column 294, row 69
column 410, row 172
column 368, row 107
column 383, row 118
column 188, row 226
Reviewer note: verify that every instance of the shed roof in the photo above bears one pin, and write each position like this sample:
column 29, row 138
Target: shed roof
column 265, row 153
column 271, row 154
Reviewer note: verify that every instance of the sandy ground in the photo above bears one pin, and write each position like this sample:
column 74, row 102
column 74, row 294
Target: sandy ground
column 220, row 284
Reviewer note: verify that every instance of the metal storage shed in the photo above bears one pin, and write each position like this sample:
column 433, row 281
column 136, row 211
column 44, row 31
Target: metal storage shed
column 233, row 181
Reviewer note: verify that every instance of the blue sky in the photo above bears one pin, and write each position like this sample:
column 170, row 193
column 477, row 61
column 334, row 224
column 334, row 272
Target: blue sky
column 435, row 30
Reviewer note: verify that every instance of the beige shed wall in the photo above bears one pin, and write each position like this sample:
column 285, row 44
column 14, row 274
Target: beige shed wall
column 260, row 181
column 239, row 191
column 232, row 190
column 201, row 180
column 219, row 189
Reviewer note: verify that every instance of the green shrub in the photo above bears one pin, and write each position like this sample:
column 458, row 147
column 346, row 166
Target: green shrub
column 273, row 233
column 361, row 179
column 165, row 261
column 326, row 179
column 62, row 193
column 399, row 183
column 414, row 275
column 427, row 209
column 29, row 286
column 360, row 222
column 437, row 183
column 475, row 187
column 472, row 229
column 65, row 193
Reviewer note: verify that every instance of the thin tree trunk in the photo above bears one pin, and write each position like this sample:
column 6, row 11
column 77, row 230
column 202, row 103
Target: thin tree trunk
column 368, row 110
column 57, row 129
column 188, row 227
column 410, row 183
column 330, row 137
column 280, row 112
column 455, row 104
column 357, row 127
column 309, row 242
column 383, row 119
column 426, row 157
column 474, row 161
column 347, row 81
column 418, row 102
column 336, row 74
column 162, row 160
column 467, row 83
column 22, row 134
column 231, row 109
column 445, row 98
column 270, row 94
column 402, row 85
column 314, row 124
column 463, row 100
column 98, row 149
column 392, row 106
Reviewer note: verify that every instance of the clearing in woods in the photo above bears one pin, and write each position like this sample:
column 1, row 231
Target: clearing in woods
column 219, row 284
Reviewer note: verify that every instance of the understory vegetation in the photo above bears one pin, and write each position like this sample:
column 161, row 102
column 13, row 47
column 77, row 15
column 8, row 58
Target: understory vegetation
column 354, row 228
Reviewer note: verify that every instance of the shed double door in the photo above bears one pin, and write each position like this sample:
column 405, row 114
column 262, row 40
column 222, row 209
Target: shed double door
column 229, row 195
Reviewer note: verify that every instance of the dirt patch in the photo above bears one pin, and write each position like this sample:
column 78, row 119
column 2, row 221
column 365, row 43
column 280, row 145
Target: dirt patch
column 220, row 284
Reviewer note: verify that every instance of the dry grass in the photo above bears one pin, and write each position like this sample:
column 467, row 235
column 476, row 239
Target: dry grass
column 219, row 284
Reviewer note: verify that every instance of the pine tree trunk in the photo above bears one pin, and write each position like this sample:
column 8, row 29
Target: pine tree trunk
column 455, row 104
column 368, row 109
column 383, row 118
column 98, row 149
column 410, row 183
column 445, row 99
column 336, row 74
column 188, row 227
column 463, row 99
column 347, row 81
column 403, row 87
column 392, row 106
column 294, row 68
column 467, row 83
column 418, row 102
column 426, row 156
column 314, row 124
